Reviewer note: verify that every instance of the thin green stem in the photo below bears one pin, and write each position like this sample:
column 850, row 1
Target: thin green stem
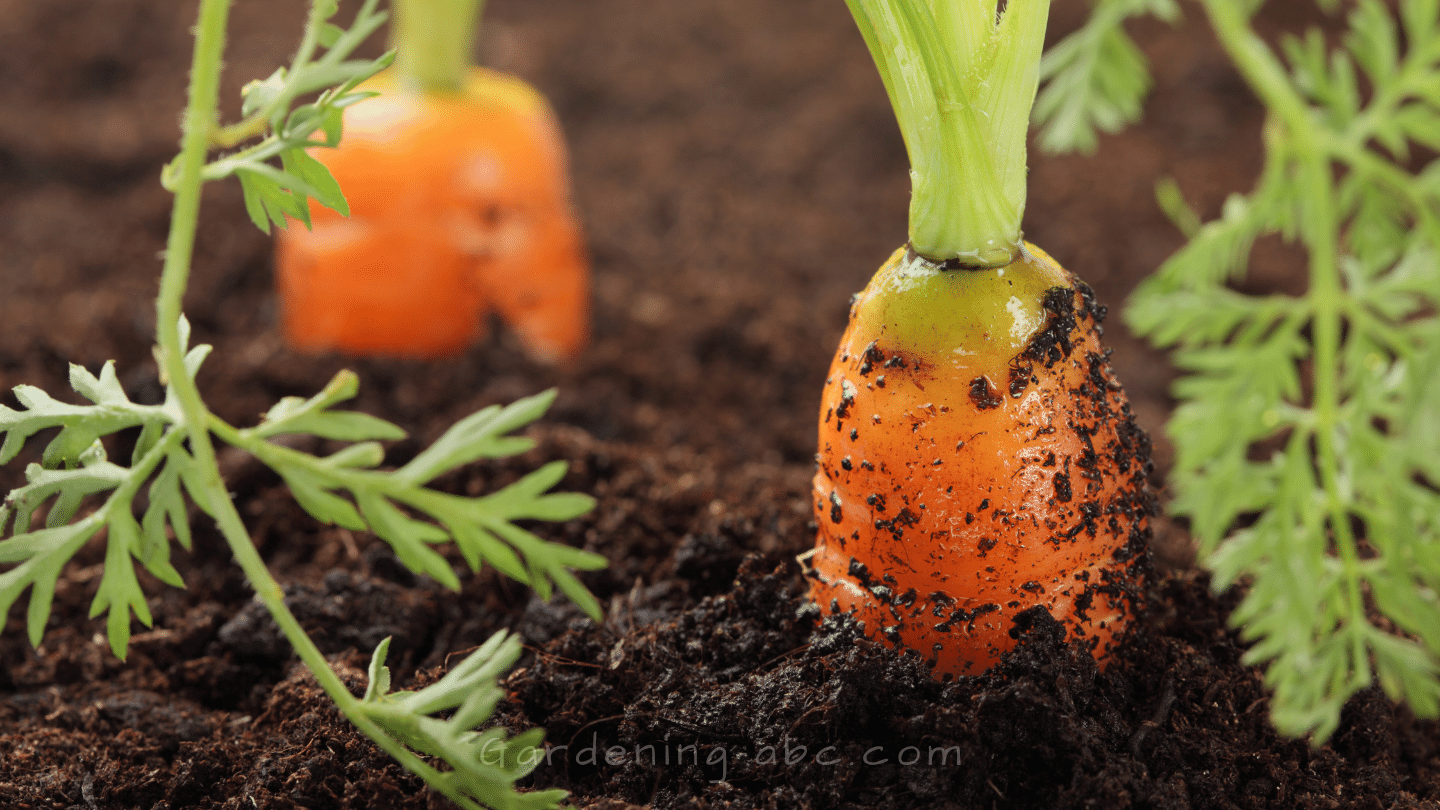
column 271, row 147
column 139, row 473
column 310, row 40
column 1260, row 67
column 199, row 123
column 1389, row 96
column 278, row 456
column 228, row 137
column 258, row 123
column 1321, row 234
column 434, row 42
column 273, row 597
column 1395, row 178
column 307, row 74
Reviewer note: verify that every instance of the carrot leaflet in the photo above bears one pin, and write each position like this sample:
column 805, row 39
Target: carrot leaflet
column 287, row 130
column 1096, row 78
column 1306, row 438
column 69, row 475
column 387, row 502
column 484, row 760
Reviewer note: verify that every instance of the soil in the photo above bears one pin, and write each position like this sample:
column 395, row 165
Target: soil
column 740, row 176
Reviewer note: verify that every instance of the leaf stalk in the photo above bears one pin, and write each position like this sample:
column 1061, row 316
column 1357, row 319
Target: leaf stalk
column 198, row 125
column 962, row 79
column 434, row 42
column 1321, row 234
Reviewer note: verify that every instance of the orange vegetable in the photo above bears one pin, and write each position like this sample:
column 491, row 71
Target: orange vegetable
column 457, row 186
column 977, row 459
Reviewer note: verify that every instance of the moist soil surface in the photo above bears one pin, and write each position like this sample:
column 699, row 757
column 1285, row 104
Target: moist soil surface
column 740, row 175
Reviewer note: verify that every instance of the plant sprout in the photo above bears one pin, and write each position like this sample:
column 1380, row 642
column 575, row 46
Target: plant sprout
column 174, row 455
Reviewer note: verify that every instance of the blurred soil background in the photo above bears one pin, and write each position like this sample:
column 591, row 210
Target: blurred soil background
column 740, row 175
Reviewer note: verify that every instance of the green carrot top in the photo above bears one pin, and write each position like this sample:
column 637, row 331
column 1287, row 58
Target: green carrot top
column 962, row 79
column 434, row 42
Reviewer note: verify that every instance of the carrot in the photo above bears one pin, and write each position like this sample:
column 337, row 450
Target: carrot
column 459, row 204
column 977, row 457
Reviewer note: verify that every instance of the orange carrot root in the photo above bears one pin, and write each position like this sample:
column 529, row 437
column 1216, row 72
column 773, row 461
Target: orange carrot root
column 459, row 205
column 978, row 458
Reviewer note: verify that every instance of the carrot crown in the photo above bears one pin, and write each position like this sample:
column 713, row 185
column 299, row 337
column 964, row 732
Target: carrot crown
column 434, row 42
column 961, row 77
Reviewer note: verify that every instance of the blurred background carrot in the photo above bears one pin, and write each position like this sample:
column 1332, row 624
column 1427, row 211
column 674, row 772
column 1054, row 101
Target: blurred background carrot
column 459, row 203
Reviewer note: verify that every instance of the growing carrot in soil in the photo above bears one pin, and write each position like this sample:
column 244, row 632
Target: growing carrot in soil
column 977, row 457
column 459, row 205
column 82, row 495
column 1307, row 433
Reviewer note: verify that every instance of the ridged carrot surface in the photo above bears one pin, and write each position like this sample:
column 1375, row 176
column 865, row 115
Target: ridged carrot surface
column 977, row 459
column 460, row 206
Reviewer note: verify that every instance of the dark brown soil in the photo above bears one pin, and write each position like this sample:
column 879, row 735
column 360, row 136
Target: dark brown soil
column 740, row 176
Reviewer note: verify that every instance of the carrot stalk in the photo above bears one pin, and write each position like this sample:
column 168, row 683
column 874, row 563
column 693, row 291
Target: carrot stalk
column 433, row 40
column 962, row 83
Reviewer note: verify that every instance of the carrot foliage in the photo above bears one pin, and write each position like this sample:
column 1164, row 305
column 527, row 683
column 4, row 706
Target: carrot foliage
column 323, row 68
column 1096, row 78
column 1307, row 432
column 140, row 508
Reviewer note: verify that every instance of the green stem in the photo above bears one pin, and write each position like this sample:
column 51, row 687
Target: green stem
column 273, row 597
column 962, row 84
column 1411, row 81
column 229, row 137
column 434, row 42
column 1392, row 176
column 1326, row 295
column 198, row 124
column 200, row 119
column 139, row 473
column 307, row 74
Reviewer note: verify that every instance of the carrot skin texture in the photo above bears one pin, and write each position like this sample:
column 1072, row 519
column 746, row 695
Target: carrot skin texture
column 460, row 205
column 977, row 459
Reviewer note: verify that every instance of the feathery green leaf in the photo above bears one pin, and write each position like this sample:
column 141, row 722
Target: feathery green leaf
column 1337, row 386
column 485, row 764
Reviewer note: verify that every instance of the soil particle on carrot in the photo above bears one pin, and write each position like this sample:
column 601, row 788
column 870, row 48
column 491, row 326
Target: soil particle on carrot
column 983, row 395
